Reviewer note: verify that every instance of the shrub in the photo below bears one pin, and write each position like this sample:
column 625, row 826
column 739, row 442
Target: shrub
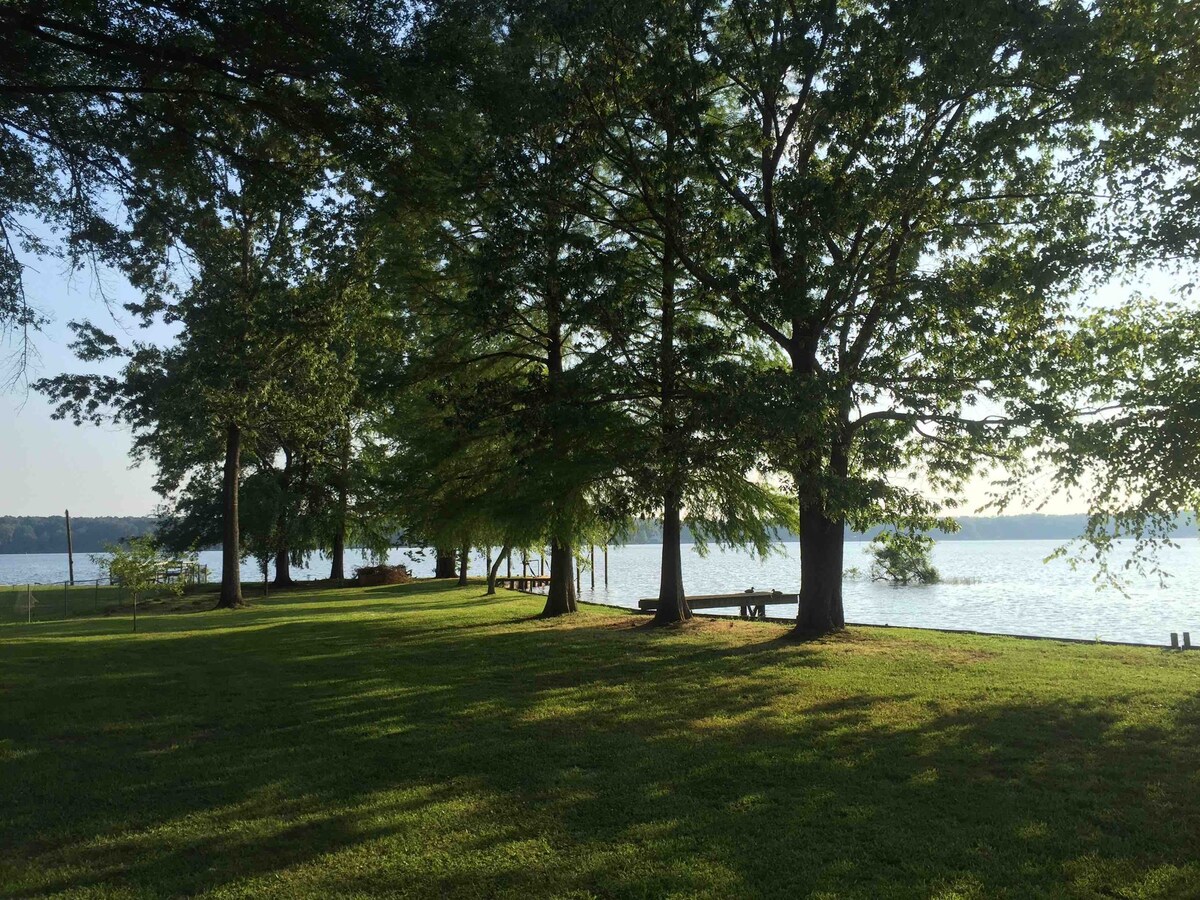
column 372, row 576
column 903, row 558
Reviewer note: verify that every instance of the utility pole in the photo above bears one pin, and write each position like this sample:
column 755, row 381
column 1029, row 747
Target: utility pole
column 70, row 550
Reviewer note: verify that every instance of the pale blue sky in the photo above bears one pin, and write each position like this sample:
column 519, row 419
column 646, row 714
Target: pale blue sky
column 47, row 466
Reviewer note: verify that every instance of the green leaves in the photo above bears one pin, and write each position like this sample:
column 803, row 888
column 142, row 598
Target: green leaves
column 902, row 557
column 137, row 565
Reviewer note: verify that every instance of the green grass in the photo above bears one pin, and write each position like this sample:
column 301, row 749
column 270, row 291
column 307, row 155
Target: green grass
column 427, row 741
column 53, row 603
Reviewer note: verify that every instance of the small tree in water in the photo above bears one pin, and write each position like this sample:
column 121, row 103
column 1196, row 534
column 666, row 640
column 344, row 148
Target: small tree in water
column 903, row 558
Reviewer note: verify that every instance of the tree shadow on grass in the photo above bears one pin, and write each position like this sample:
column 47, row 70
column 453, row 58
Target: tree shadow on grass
column 341, row 755
column 424, row 597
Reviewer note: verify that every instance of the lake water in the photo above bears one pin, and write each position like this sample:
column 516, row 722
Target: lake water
column 995, row 586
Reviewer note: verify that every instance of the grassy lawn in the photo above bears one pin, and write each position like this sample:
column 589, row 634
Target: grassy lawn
column 427, row 741
column 53, row 602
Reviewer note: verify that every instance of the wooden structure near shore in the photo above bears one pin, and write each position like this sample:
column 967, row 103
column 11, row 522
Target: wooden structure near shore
column 526, row 583
column 173, row 570
column 751, row 604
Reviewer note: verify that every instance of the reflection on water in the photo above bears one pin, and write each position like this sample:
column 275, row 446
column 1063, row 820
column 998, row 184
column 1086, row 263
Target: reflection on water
column 1000, row 586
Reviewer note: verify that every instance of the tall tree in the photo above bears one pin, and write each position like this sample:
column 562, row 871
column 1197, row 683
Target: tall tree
column 685, row 365
column 899, row 209
column 253, row 356
column 520, row 414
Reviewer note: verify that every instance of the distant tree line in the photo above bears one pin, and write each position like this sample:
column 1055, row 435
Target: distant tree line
column 48, row 534
column 1031, row 527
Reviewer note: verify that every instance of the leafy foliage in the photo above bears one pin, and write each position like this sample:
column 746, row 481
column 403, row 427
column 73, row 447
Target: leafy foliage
column 902, row 558
column 137, row 565
column 561, row 266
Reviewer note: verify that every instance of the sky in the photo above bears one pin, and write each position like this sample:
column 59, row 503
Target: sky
column 48, row 466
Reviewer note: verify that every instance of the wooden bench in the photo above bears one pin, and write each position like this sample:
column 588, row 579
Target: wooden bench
column 751, row 604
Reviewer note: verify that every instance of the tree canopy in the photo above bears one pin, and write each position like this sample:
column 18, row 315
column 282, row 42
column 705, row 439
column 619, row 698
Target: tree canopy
column 515, row 275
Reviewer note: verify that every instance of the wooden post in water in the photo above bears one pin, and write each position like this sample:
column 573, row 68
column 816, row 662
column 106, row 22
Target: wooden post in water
column 70, row 550
column 541, row 563
column 592, row 556
column 606, row 565
column 578, row 579
column 1174, row 640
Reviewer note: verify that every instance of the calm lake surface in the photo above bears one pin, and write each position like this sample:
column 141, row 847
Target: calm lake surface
column 997, row 586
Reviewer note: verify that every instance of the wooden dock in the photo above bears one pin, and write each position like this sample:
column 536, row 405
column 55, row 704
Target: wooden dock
column 526, row 583
column 752, row 604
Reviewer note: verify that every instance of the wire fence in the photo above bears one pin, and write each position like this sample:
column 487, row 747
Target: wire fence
column 60, row 600
column 31, row 602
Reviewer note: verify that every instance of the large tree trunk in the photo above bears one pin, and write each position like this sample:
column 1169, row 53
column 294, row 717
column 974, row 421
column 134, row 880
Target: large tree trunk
column 231, row 551
column 283, row 572
column 822, row 542
column 495, row 567
column 672, row 602
column 822, row 535
column 464, row 559
column 445, row 563
column 337, row 571
column 560, row 595
column 283, row 568
column 560, row 598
